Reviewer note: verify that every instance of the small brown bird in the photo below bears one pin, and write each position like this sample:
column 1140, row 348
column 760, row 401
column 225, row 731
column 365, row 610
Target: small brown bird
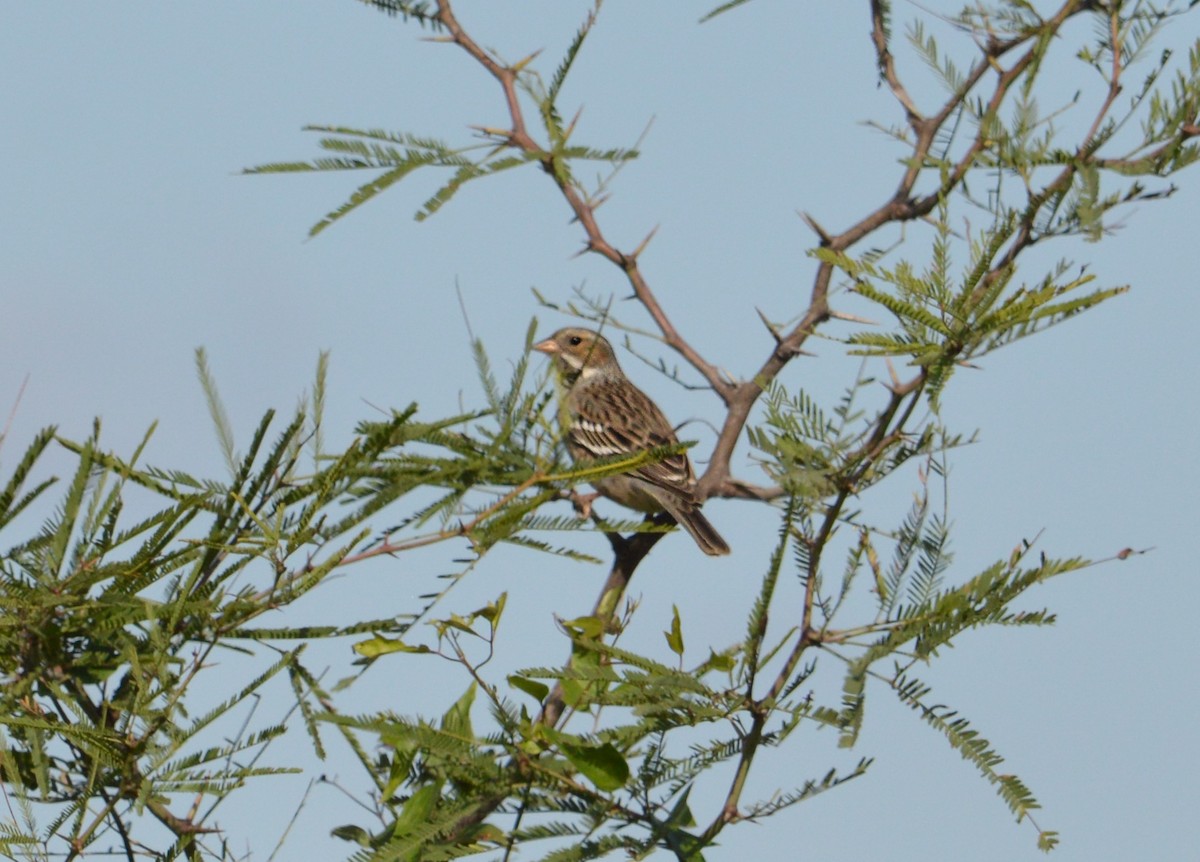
column 609, row 416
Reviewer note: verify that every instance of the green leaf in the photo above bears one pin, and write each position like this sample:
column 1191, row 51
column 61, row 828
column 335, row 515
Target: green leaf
column 492, row 611
column 675, row 635
column 352, row 833
column 417, row 809
column 380, row 645
column 602, row 764
column 531, row 687
column 681, row 814
column 719, row 661
column 397, row 774
column 591, row 628
column 454, row 621
column 458, row 717
column 577, row 693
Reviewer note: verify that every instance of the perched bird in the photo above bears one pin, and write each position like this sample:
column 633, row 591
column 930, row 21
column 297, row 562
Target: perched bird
column 609, row 416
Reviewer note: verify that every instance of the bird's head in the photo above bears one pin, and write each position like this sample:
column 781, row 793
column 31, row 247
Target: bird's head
column 579, row 352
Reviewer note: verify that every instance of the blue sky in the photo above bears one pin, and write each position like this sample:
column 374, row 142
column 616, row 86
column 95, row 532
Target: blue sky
column 131, row 238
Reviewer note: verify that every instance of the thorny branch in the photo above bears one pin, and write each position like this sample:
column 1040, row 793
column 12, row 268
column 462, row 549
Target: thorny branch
column 902, row 206
column 739, row 397
column 584, row 211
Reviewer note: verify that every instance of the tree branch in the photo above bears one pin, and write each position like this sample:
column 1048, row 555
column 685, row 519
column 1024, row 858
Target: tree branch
column 629, row 553
column 887, row 64
column 519, row 138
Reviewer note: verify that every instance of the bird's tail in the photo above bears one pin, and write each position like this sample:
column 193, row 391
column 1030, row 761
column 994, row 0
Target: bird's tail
column 704, row 533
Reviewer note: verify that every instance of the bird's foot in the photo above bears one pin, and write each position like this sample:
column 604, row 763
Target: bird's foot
column 583, row 504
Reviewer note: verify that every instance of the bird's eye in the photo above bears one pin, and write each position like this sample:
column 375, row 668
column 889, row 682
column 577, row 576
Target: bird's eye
column 576, row 341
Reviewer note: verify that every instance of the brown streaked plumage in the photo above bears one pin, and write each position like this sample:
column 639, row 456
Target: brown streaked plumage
column 609, row 416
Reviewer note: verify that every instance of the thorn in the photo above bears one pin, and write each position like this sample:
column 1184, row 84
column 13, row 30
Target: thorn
column 491, row 132
column 521, row 64
column 771, row 327
column 446, row 40
column 892, row 373
column 569, row 130
column 795, row 351
column 642, row 246
column 815, row 227
column 853, row 318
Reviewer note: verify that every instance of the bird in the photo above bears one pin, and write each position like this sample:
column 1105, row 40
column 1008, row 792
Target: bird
column 606, row 416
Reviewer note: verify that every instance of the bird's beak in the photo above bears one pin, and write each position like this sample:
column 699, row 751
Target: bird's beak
column 548, row 346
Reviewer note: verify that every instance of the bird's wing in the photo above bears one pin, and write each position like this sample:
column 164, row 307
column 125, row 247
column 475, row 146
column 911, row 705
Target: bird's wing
column 612, row 427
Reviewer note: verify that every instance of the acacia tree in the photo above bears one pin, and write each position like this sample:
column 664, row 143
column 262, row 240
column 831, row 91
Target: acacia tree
column 108, row 624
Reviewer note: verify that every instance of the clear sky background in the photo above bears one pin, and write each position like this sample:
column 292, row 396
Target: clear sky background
column 129, row 238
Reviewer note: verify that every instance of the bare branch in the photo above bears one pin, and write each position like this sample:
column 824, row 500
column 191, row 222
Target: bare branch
column 887, row 65
column 582, row 208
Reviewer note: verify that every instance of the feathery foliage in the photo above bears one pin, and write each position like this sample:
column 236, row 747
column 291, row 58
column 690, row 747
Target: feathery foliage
column 118, row 604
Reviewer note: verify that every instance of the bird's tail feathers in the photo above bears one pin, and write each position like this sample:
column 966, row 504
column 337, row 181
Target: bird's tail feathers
column 704, row 533
column 687, row 514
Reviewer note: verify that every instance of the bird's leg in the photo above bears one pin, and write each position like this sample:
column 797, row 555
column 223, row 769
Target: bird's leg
column 583, row 503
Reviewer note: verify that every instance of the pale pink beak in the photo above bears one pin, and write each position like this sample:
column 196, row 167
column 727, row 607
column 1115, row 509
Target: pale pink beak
column 547, row 346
